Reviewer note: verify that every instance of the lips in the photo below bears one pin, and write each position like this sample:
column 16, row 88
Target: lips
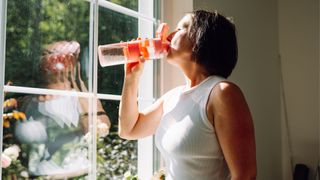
column 169, row 38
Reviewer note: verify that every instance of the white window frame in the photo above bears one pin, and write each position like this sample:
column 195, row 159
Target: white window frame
column 3, row 18
column 146, row 97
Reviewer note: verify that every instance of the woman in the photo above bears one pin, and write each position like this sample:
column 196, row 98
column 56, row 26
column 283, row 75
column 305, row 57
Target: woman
column 204, row 130
column 56, row 129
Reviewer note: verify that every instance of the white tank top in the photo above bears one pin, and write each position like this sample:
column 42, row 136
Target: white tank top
column 186, row 138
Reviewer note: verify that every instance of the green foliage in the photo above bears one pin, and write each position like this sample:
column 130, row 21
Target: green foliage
column 31, row 24
column 10, row 117
column 126, row 28
column 131, row 4
column 129, row 176
column 15, row 170
column 116, row 156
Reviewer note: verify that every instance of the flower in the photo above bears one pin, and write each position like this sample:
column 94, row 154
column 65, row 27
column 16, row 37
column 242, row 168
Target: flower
column 5, row 161
column 159, row 175
column 86, row 139
column 6, row 123
column 24, row 174
column 103, row 129
column 12, row 152
column 129, row 176
column 7, row 117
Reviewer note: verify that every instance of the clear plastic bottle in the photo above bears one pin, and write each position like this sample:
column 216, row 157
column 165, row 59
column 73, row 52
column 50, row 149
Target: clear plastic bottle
column 127, row 52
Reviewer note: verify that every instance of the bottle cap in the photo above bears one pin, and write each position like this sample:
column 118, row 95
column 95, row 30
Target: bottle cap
column 162, row 31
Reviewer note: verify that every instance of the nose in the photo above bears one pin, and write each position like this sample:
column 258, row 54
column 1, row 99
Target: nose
column 170, row 36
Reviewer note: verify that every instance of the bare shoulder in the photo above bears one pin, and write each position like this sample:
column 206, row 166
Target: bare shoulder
column 226, row 87
column 227, row 91
column 226, row 99
column 234, row 128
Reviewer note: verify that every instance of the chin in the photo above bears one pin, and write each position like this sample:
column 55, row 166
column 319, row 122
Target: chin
column 172, row 61
column 170, row 54
column 170, row 57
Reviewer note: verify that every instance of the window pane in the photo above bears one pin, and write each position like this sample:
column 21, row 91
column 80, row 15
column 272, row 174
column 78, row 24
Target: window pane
column 33, row 24
column 115, row 155
column 131, row 4
column 114, row 27
column 51, row 134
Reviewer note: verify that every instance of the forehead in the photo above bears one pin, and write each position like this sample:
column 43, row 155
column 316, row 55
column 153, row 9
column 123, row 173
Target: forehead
column 185, row 21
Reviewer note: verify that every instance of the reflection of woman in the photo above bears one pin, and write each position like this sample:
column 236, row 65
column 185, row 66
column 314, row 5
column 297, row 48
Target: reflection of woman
column 57, row 124
column 204, row 129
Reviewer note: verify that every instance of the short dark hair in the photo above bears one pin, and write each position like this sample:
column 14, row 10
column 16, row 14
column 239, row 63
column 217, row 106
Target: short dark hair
column 215, row 43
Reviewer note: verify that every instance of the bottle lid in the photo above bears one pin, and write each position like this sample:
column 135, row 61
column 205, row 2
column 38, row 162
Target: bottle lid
column 162, row 31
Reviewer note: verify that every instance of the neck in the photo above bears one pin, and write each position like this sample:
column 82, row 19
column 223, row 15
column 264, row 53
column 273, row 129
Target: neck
column 194, row 74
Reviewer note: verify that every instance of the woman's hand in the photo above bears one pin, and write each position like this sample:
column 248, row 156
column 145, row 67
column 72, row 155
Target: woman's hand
column 103, row 123
column 135, row 69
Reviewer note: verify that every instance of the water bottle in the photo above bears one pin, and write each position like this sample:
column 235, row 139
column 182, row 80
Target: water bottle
column 132, row 51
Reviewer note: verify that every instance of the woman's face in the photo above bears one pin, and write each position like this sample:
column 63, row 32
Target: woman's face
column 180, row 44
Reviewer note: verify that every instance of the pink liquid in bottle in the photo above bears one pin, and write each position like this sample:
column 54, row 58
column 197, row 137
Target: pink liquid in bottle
column 132, row 51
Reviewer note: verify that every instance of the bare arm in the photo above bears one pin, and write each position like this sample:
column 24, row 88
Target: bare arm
column 104, row 123
column 132, row 123
column 234, row 127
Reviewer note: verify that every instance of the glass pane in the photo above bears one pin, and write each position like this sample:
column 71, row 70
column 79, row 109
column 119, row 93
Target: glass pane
column 114, row 27
column 131, row 4
column 115, row 155
column 31, row 26
column 45, row 136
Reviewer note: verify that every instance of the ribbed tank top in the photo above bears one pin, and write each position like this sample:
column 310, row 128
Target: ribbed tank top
column 185, row 137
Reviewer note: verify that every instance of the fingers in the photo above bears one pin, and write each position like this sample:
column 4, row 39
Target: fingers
column 140, row 65
column 79, row 72
column 82, row 85
column 142, row 59
column 59, row 76
column 72, row 71
column 130, row 66
column 135, row 67
column 73, row 78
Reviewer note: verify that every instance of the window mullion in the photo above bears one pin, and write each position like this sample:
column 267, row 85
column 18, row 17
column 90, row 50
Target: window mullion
column 126, row 11
column 145, row 145
column 3, row 8
column 42, row 91
column 93, row 75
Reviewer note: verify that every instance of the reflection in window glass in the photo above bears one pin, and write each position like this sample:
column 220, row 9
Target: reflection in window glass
column 32, row 24
column 115, row 155
column 114, row 27
column 47, row 46
column 131, row 4
column 49, row 134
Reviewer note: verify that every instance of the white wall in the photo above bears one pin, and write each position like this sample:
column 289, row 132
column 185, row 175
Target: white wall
column 173, row 11
column 267, row 29
column 299, row 49
column 257, row 73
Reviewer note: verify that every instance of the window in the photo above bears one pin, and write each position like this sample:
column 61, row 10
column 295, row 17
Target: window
column 50, row 98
